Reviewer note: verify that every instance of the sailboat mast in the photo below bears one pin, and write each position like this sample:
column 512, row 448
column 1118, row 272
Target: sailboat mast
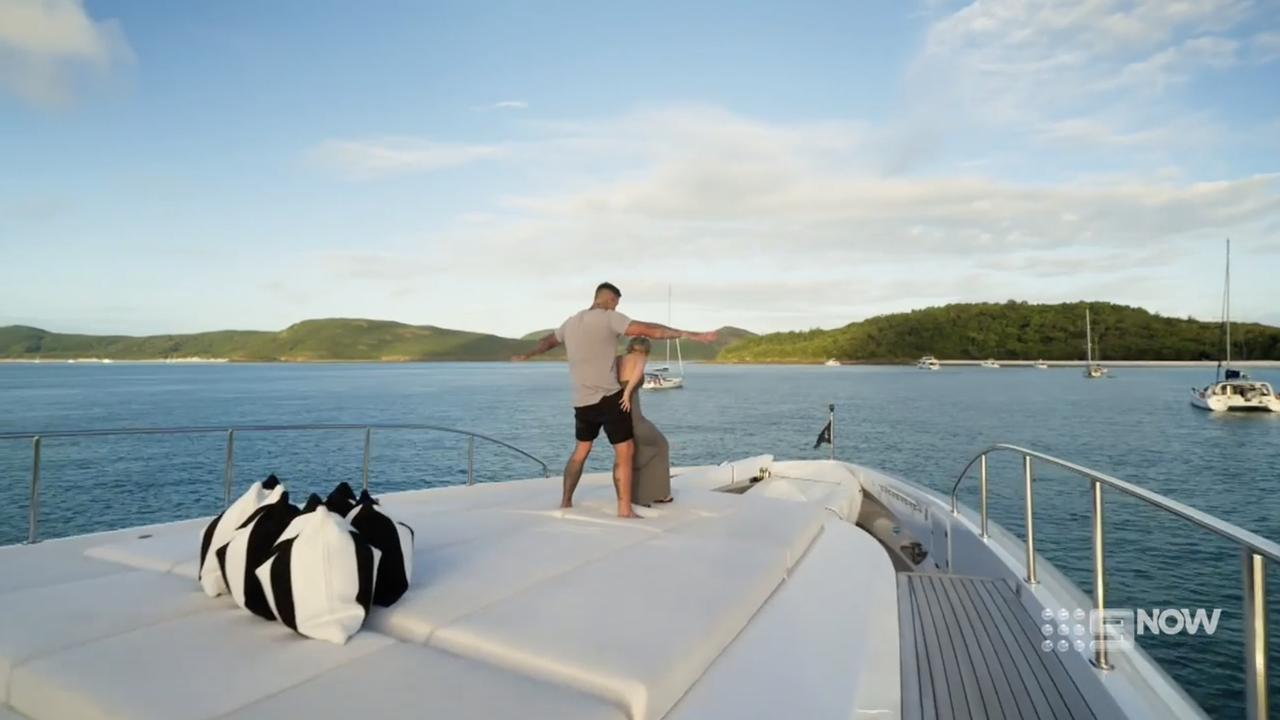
column 668, row 325
column 1088, row 338
column 1226, row 302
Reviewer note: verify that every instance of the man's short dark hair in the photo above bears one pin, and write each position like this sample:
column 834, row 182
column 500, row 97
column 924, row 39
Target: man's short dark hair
column 610, row 287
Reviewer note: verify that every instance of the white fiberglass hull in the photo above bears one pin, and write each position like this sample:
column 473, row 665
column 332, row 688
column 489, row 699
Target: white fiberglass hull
column 665, row 384
column 1233, row 403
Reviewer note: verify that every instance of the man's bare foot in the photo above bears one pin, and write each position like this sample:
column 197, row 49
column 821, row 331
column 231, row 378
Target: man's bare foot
column 629, row 513
column 566, row 505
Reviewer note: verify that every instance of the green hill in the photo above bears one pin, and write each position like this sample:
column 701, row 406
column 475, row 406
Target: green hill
column 330, row 339
column 309, row 340
column 1012, row 331
column 689, row 350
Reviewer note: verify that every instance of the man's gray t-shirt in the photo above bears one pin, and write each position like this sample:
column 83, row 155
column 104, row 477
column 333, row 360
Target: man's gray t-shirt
column 591, row 342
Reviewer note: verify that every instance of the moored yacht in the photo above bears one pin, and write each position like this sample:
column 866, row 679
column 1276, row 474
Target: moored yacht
column 885, row 598
column 1092, row 370
column 928, row 362
column 661, row 381
column 990, row 363
column 1234, row 391
column 659, row 378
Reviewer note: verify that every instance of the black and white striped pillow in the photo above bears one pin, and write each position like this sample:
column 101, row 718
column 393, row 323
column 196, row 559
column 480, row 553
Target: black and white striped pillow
column 394, row 540
column 249, row 547
column 342, row 500
column 319, row 578
column 219, row 531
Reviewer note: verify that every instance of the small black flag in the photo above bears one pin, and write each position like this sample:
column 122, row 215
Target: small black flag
column 824, row 436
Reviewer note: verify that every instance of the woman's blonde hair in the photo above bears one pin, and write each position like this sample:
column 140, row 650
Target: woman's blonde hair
column 641, row 344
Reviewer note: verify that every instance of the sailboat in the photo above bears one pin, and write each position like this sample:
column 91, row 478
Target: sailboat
column 1233, row 391
column 1092, row 370
column 658, row 379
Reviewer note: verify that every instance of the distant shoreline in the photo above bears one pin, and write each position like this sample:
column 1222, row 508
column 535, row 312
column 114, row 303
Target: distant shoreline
column 113, row 361
column 1266, row 364
column 1024, row 363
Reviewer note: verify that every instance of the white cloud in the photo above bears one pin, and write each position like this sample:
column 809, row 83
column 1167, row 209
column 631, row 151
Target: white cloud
column 1265, row 47
column 1178, row 64
column 1014, row 65
column 389, row 157
column 47, row 45
column 767, row 219
column 1114, row 134
column 504, row 105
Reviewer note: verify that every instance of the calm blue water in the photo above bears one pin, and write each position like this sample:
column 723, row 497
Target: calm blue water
column 923, row 426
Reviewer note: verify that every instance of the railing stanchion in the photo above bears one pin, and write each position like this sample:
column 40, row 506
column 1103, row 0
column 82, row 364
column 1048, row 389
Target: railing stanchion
column 364, row 473
column 33, row 506
column 982, row 491
column 1255, row 635
column 1031, row 524
column 471, row 460
column 1099, row 576
column 228, row 468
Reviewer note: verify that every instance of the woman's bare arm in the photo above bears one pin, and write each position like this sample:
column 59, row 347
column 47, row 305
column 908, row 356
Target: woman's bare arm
column 630, row 373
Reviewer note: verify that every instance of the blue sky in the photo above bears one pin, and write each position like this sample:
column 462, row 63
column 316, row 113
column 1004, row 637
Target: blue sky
column 170, row 167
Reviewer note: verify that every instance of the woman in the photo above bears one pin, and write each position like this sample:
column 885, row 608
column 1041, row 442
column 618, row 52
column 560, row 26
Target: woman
column 651, row 481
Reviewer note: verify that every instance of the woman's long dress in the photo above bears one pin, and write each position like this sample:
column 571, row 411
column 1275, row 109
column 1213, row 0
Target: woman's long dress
column 652, row 468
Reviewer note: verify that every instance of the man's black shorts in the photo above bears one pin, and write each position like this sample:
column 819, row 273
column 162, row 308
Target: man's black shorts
column 607, row 413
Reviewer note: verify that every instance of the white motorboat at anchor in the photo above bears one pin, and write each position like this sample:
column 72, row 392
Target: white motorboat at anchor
column 928, row 362
column 832, row 362
column 887, row 600
column 990, row 363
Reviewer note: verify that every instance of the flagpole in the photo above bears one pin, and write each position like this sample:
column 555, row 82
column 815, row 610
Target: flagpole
column 832, row 421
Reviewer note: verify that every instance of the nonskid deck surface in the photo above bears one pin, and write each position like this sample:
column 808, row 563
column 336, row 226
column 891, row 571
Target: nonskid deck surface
column 970, row 650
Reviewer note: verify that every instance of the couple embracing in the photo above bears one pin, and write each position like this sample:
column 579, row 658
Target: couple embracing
column 604, row 396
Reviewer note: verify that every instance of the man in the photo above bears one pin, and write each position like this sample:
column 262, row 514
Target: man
column 591, row 342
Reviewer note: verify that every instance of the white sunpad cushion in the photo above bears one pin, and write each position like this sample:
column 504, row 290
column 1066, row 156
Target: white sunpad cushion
column 318, row 579
column 636, row 627
column 402, row 681
column 221, row 528
column 50, row 563
column 434, row 529
column 837, row 664
column 789, row 526
column 196, row 667
column 602, row 507
column 38, row 621
column 459, row 579
column 521, row 494
column 160, row 549
column 394, row 540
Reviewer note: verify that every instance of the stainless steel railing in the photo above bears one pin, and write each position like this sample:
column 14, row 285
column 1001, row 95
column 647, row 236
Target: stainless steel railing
column 1256, row 550
column 228, row 473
